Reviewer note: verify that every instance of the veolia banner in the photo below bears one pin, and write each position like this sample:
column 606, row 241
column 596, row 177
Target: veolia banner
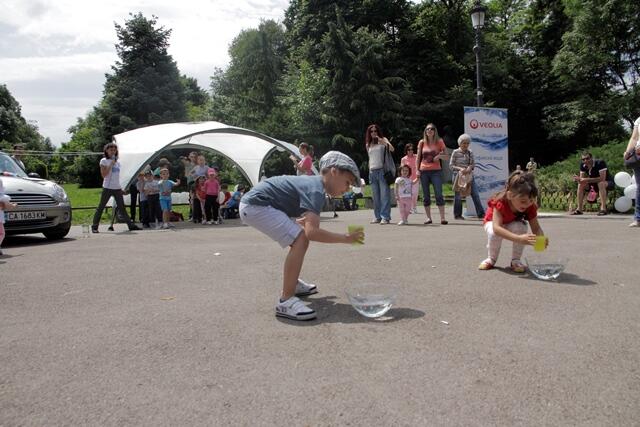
column 490, row 145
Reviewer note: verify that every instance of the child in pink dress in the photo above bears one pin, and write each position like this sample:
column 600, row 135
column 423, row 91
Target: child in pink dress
column 404, row 193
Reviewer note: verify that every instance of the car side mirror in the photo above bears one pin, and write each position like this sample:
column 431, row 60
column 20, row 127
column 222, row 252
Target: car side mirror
column 33, row 175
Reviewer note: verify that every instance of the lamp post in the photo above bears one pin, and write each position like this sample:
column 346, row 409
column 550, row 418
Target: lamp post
column 477, row 21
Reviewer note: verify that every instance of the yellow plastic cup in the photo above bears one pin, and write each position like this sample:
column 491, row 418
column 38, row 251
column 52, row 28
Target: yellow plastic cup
column 353, row 229
column 541, row 244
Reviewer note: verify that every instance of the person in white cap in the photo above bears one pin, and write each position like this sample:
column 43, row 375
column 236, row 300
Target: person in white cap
column 5, row 203
column 287, row 209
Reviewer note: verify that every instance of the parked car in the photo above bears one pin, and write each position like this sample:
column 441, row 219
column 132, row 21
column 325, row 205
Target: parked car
column 43, row 206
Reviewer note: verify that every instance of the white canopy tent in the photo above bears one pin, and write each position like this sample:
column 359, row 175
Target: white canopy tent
column 246, row 148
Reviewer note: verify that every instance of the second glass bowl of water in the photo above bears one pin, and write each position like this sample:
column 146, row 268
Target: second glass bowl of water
column 371, row 300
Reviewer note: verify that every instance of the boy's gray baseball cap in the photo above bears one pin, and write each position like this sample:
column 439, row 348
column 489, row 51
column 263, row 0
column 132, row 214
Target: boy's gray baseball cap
column 336, row 159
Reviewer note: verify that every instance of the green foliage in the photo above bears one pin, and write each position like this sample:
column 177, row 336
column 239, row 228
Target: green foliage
column 598, row 67
column 245, row 95
column 15, row 129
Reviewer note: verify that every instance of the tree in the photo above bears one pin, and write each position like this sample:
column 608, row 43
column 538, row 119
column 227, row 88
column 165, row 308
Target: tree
column 15, row 129
column 358, row 66
column 145, row 87
column 86, row 135
column 196, row 99
column 245, row 94
column 598, row 67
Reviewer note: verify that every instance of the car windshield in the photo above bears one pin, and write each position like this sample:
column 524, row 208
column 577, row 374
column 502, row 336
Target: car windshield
column 8, row 166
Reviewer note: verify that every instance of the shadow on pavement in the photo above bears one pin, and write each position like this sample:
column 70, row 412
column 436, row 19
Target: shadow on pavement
column 330, row 311
column 20, row 240
column 564, row 279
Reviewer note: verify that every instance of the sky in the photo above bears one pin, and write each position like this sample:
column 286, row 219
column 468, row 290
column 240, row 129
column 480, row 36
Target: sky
column 54, row 53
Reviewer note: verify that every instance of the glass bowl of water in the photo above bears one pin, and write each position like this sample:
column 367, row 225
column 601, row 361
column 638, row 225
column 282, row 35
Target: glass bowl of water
column 546, row 266
column 371, row 300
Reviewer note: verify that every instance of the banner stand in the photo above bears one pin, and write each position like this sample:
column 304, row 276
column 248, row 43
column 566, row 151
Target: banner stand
column 488, row 128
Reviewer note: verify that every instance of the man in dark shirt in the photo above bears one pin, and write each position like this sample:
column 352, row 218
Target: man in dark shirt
column 593, row 174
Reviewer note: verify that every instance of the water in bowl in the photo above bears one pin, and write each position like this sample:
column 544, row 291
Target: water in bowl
column 546, row 271
column 371, row 300
column 371, row 307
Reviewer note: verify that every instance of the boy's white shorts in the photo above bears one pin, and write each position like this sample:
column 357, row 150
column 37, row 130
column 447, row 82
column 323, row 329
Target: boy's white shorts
column 272, row 222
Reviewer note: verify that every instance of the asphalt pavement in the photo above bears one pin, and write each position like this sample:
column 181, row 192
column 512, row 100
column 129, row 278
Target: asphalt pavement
column 177, row 327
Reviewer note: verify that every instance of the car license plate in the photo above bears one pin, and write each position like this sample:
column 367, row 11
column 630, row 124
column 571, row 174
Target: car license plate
column 26, row 216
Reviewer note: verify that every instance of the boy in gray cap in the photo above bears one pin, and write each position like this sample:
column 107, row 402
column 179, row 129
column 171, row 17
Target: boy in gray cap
column 287, row 209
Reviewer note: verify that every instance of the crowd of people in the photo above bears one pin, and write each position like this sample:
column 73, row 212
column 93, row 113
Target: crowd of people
column 287, row 208
column 210, row 201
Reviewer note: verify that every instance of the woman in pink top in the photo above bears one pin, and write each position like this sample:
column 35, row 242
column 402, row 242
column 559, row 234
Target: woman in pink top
column 410, row 160
column 304, row 166
column 431, row 150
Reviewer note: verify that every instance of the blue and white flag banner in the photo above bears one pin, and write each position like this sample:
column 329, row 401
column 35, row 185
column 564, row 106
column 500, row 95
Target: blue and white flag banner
column 488, row 128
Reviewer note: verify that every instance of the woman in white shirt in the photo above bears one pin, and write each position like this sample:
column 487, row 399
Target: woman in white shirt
column 634, row 146
column 376, row 145
column 110, row 171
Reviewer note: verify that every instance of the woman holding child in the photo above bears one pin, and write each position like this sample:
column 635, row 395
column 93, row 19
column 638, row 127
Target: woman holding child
column 376, row 144
column 431, row 150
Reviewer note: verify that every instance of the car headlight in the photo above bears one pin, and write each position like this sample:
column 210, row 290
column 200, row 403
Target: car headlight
column 59, row 194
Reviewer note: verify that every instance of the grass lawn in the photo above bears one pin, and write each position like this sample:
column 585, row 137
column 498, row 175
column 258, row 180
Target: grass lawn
column 85, row 200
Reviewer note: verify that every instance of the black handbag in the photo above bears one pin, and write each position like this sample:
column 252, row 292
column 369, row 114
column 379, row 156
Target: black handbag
column 389, row 167
column 632, row 161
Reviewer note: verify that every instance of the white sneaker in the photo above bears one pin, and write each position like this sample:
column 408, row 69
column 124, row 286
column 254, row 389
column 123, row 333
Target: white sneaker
column 414, row 210
column 216, row 222
column 165, row 226
column 635, row 224
column 204, row 221
column 303, row 289
column 294, row 309
column 374, row 221
column 171, row 225
column 402, row 223
column 209, row 222
column 384, row 222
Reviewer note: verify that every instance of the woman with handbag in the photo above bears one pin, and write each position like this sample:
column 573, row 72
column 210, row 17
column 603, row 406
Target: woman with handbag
column 462, row 164
column 632, row 160
column 431, row 150
column 377, row 146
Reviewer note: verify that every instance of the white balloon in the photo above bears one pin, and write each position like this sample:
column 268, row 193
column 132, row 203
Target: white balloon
column 622, row 204
column 630, row 191
column 622, row 179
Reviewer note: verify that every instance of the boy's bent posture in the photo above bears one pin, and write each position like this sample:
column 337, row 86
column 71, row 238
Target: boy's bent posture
column 271, row 207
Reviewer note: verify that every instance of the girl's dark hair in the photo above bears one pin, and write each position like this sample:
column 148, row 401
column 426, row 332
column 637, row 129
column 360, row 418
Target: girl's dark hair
column 520, row 183
column 407, row 146
column 307, row 147
column 367, row 137
column 405, row 166
column 107, row 146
